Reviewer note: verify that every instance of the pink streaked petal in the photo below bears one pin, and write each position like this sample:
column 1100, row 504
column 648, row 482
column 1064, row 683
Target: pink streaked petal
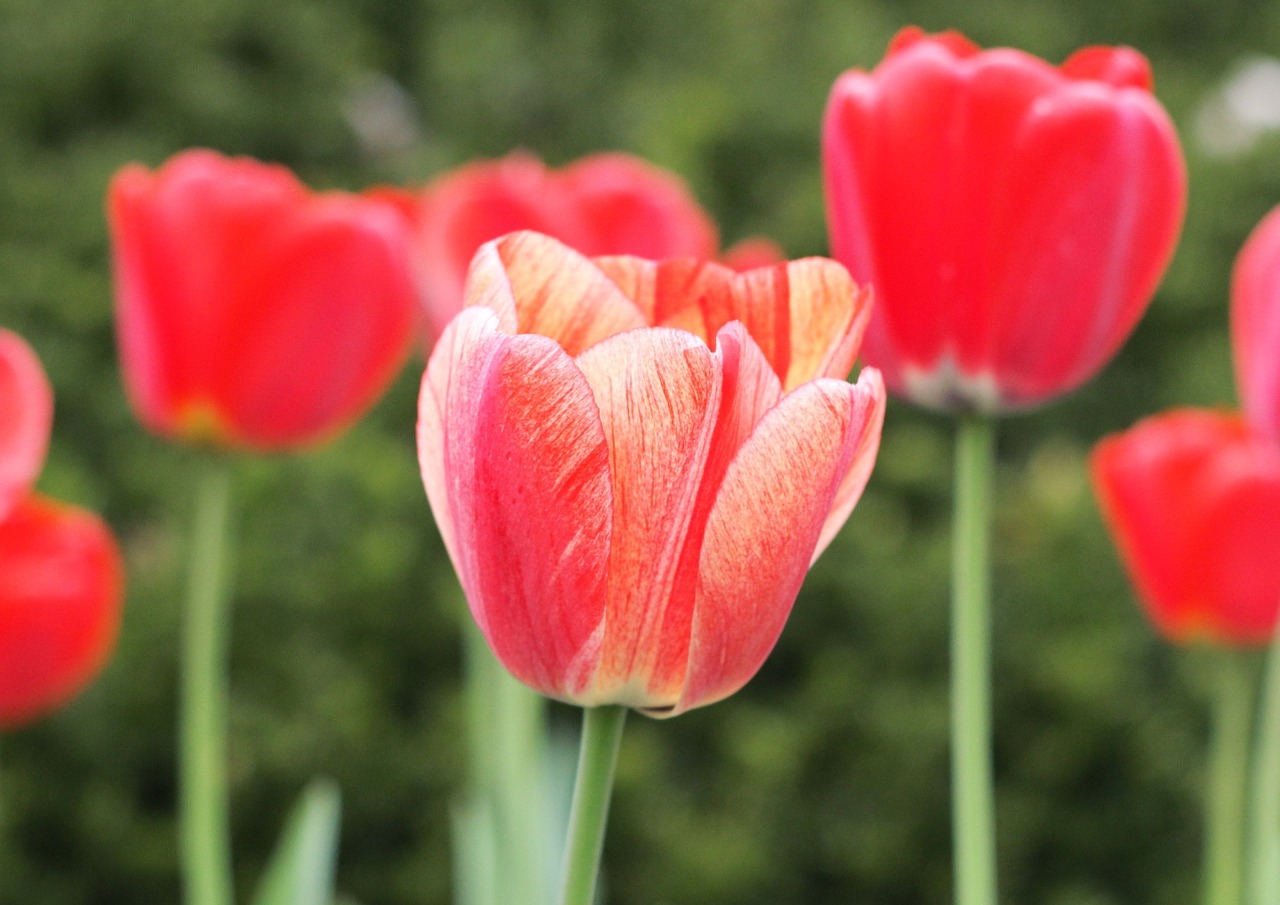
column 749, row 389
column 762, row 531
column 1255, row 325
column 871, row 402
column 26, row 417
column 658, row 393
column 537, row 284
column 516, row 468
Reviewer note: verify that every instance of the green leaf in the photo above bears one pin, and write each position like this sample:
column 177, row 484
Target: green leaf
column 301, row 870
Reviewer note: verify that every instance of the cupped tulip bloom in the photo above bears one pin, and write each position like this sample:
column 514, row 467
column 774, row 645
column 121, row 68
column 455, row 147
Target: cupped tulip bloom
column 1193, row 500
column 1013, row 217
column 1255, row 325
column 251, row 312
column 603, row 204
column 61, row 593
column 631, row 511
column 26, row 417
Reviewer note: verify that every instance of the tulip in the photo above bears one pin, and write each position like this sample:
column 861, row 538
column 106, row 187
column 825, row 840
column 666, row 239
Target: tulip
column 604, row 204
column 1193, row 501
column 1255, row 325
column 252, row 313
column 1013, row 217
column 60, row 572
column 630, row 510
column 26, row 416
column 61, row 589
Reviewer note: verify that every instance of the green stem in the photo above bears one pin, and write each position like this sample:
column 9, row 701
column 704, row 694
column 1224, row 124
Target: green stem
column 1225, row 795
column 601, row 736
column 1264, row 815
column 973, row 807
column 206, row 843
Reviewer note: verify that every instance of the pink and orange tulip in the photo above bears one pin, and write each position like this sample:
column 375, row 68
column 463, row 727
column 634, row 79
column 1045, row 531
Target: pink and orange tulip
column 251, row 312
column 603, row 204
column 1193, row 500
column 631, row 510
column 1255, row 325
column 60, row 573
column 1013, row 217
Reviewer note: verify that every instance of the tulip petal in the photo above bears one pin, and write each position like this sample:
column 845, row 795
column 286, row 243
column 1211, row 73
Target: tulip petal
column 761, row 532
column 1255, row 325
column 324, row 327
column 26, row 417
column 537, row 284
column 749, row 389
column 1090, row 222
column 629, row 206
column 658, row 393
column 516, row 468
column 60, row 604
column 1234, row 539
column 864, row 459
column 807, row 316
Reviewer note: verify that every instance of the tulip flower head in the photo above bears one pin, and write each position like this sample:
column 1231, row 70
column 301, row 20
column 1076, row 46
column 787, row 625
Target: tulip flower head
column 1013, row 217
column 1255, row 325
column 633, row 463
column 603, row 204
column 60, row 571
column 1193, row 501
column 252, row 313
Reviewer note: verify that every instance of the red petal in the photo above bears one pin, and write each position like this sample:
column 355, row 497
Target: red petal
column 60, row 606
column 26, row 417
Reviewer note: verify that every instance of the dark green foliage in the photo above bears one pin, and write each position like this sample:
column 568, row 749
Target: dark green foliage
column 825, row 781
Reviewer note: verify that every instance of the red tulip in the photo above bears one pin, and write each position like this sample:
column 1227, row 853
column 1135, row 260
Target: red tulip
column 1255, row 325
column 632, row 512
column 1014, row 218
column 1193, row 499
column 251, row 312
column 61, row 589
column 60, row 572
column 26, row 415
column 604, row 204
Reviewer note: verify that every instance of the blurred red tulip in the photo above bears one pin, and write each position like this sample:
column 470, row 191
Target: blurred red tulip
column 26, row 415
column 1193, row 500
column 60, row 572
column 1014, row 218
column 1255, row 325
column 61, row 590
column 604, row 204
column 252, row 313
column 630, row 512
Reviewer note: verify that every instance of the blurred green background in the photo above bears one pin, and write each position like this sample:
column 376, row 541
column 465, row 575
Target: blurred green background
column 826, row 779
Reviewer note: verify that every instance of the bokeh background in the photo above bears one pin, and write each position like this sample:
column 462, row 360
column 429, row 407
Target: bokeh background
column 826, row 779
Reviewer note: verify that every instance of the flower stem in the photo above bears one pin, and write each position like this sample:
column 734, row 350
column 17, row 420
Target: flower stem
column 973, row 807
column 206, row 843
column 1225, row 795
column 1264, row 814
column 601, row 736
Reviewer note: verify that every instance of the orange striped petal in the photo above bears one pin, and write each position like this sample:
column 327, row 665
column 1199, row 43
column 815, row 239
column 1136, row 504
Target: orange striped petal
column 537, row 284
column 658, row 392
column 515, row 465
column 761, row 533
column 807, row 316
column 26, row 416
